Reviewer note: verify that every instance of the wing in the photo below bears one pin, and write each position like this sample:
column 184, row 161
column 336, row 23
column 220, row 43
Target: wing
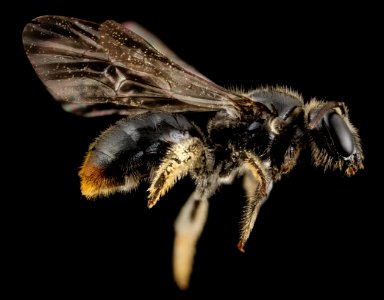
column 160, row 46
column 108, row 67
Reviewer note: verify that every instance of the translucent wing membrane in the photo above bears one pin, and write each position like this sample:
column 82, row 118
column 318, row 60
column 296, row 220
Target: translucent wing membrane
column 87, row 67
column 160, row 46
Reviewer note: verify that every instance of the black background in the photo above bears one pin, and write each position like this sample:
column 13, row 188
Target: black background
column 316, row 235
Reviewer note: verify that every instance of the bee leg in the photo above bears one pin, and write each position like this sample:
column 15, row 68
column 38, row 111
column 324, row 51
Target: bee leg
column 181, row 158
column 188, row 227
column 257, row 185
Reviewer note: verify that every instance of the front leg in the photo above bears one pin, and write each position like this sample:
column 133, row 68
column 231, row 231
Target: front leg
column 257, row 185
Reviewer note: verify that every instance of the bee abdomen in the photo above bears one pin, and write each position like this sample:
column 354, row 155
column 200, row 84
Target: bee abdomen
column 125, row 153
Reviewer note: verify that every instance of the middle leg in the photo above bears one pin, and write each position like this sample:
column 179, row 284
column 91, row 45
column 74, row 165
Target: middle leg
column 257, row 185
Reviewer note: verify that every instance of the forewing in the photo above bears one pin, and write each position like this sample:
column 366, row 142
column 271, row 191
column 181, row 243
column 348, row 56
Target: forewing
column 160, row 46
column 85, row 65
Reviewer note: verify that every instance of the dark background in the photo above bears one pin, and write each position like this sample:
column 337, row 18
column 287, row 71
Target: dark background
column 318, row 233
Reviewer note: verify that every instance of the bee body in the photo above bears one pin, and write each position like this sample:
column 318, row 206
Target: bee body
column 176, row 123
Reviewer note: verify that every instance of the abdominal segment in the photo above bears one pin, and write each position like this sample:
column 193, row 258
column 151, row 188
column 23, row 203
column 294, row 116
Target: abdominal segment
column 126, row 153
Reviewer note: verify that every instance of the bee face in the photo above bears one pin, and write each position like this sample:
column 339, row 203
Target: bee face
column 178, row 123
column 334, row 141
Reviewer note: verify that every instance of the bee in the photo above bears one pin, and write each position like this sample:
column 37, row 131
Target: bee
column 176, row 122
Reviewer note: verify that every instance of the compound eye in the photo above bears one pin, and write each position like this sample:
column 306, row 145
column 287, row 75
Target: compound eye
column 340, row 134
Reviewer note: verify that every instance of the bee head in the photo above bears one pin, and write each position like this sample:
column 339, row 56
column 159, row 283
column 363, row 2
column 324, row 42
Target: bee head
column 334, row 141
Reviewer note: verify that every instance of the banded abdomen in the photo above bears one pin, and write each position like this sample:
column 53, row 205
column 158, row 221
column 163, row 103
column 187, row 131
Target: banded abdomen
column 127, row 152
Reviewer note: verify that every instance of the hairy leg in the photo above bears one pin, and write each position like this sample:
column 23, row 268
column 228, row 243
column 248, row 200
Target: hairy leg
column 188, row 228
column 180, row 159
column 190, row 223
column 257, row 185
